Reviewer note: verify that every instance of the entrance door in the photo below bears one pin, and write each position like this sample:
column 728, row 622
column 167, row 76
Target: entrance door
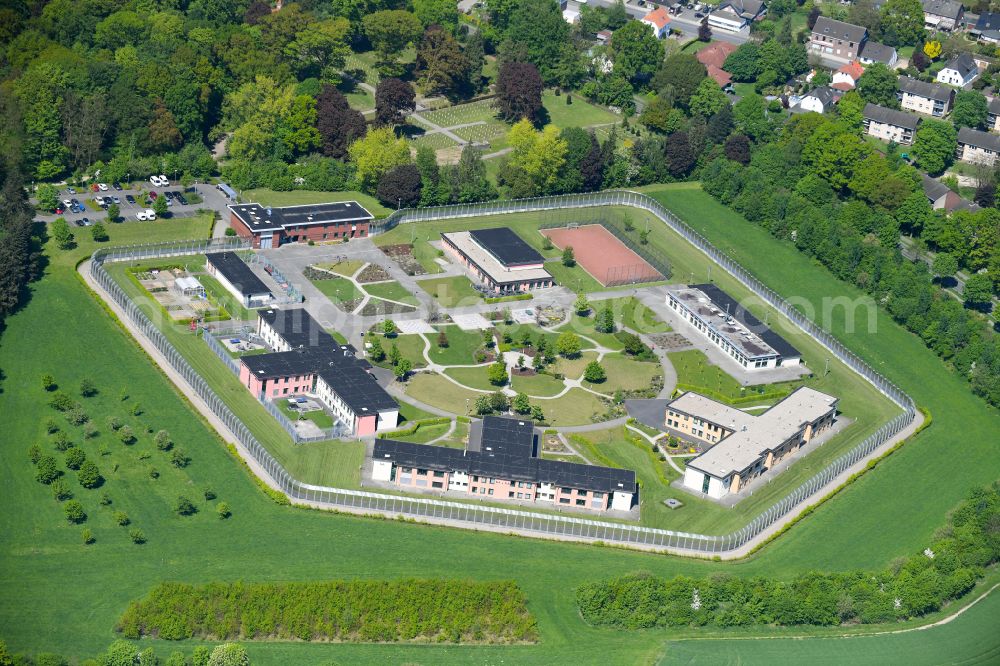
column 266, row 242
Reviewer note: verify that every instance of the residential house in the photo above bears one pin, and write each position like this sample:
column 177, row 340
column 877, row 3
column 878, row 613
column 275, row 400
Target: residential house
column 987, row 28
column 993, row 117
column 873, row 52
column 941, row 197
column 959, row 72
column 836, row 41
column 929, row 99
column 943, row 15
column 713, row 57
column 889, row 124
column 735, row 15
column 846, row 78
column 604, row 36
column 977, row 147
column 659, row 20
column 819, row 100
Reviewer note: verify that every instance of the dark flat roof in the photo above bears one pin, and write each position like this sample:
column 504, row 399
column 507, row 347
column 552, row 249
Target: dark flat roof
column 506, row 246
column 297, row 327
column 234, row 269
column 506, row 450
column 267, row 218
column 729, row 304
column 359, row 389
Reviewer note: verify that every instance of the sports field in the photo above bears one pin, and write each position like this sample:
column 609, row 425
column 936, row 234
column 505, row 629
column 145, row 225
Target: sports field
column 62, row 596
column 602, row 255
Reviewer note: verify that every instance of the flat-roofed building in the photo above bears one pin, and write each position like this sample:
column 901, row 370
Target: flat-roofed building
column 889, row 124
column 977, row 147
column 234, row 274
column 308, row 361
column 498, row 258
column 269, row 227
column 501, row 463
column 930, row 99
column 731, row 327
column 756, row 446
column 695, row 417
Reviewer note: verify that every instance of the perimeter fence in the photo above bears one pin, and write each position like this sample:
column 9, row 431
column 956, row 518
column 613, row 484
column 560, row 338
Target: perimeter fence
column 514, row 520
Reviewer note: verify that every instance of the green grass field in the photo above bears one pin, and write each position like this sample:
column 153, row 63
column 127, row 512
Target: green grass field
column 573, row 277
column 302, row 197
column 338, row 290
column 410, row 346
column 62, row 596
column 574, row 408
column 580, row 113
column 392, row 291
column 221, row 295
column 451, row 291
column 472, row 377
column 461, row 346
column 349, row 267
column 537, row 385
column 437, row 391
column 626, row 374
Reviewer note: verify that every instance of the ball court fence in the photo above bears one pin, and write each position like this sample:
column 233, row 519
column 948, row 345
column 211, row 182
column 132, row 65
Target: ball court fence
column 474, row 516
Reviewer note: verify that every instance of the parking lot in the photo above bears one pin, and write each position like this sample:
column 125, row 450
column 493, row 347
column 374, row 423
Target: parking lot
column 133, row 199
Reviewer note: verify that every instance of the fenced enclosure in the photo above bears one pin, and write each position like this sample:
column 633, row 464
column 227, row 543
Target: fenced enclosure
column 513, row 520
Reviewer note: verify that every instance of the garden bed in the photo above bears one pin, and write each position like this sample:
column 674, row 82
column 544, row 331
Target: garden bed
column 402, row 254
column 373, row 273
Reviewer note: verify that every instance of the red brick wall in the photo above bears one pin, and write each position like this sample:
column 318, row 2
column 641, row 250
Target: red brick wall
column 242, row 230
column 333, row 232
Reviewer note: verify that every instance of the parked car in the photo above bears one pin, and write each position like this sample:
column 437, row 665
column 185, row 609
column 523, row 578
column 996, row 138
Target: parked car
column 699, row 15
column 85, row 222
column 94, row 187
column 71, row 190
column 129, row 198
column 117, row 186
column 58, row 210
column 164, row 180
column 116, row 200
column 150, row 214
column 103, row 187
column 153, row 194
column 67, row 203
column 182, row 200
column 141, row 216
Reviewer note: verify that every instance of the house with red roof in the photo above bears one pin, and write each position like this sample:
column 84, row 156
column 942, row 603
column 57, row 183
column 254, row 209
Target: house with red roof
column 846, row 78
column 713, row 57
column 659, row 20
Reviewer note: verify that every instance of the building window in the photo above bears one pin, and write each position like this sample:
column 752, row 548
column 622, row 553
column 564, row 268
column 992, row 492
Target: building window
column 581, row 502
column 598, row 495
column 510, row 494
column 564, row 500
column 568, row 491
column 438, row 474
column 490, row 491
column 436, row 484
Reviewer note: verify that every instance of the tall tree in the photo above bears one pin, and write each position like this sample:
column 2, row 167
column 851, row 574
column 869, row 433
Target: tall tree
column 537, row 155
column 681, row 73
column 878, row 85
column 970, row 109
column 400, row 186
column 339, row 125
column 441, row 65
column 636, row 52
column 390, row 32
column 680, row 156
column 537, row 28
column 935, row 145
column 902, row 22
column 394, row 101
column 519, row 92
column 704, row 31
column 442, row 13
column 708, row 99
column 376, row 153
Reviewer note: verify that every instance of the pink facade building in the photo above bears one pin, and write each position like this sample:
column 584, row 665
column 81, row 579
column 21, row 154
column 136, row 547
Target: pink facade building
column 501, row 463
column 308, row 361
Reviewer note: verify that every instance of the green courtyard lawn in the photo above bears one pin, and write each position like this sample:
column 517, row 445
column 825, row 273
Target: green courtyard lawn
column 462, row 345
column 46, row 572
column 338, row 290
column 451, row 291
column 436, row 391
column 427, row 255
column 319, row 416
column 423, row 434
column 573, row 367
column 580, row 113
column 636, row 316
column 409, row 413
column 584, row 327
column 696, row 373
column 345, row 268
column 410, row 346
column 357, row 97
column 537, row 385
column 611, row 448
column 302, row 197
column 626, row 374
column 474, row 377
column 222, row 296
column 573, row 277
column 576, row 407
column 392, row 291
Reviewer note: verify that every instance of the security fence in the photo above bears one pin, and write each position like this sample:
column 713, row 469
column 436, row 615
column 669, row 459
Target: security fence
column 220, row 351
column 472, row 515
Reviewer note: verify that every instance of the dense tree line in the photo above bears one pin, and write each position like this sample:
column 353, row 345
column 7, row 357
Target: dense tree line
column 910, row 587
column 819, row 185
column 19, row 246
column 362, row 610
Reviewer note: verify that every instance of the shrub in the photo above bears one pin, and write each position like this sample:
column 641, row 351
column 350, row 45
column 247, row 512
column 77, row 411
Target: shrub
column 209, row 494
column 136, row 409
column 185, row 507
column 162, row 440
column 594, row 373
column 49, row 382
column 136, row 535
column 46, row 471
column 77, row 416
column 114, row 423
column 605, row 320
column 105, row 499
column 229, row 654
column 497, row 373
column 88, row 537
column 75, row 457
column 89, row 475
column 568, row 259
column 87, row 387
column 74, row 512
column 154, row 473
column 60, row 490
column 61, row 401
column 89, row 430
column 223, row 510
column 179, row 459
column 121, row 518
column 34, row 453
column 126, row 436
column 51, row 426
column 61, row 441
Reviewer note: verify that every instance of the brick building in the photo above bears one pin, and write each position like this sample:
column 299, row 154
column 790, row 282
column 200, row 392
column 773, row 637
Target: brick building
column 269, row 227
column 501, row 463
column 498, row 258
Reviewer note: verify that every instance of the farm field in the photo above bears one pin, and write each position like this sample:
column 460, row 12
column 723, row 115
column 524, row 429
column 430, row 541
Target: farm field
column 47, row 573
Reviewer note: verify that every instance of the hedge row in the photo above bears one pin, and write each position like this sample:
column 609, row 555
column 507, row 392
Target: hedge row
column 504, row 299
column 911, row 587
column 360, row 611
column 415, row 426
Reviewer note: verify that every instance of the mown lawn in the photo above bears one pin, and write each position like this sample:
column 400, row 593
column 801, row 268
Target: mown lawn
column 580, row 113
column 348, row 267
column 472, row 377
column 575, row 408
column 392, row 291
column 437, row 391
column 573, row 277
column 451, row 291
column 625, row 374
column 537, row 385
column 410, row 346
column 460, row 349
column 221, row 295
column 338, row 290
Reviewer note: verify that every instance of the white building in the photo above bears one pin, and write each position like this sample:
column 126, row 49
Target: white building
column 889, row 124
column 959, row 72
column 234, row 274
column 659, row 21
column 819, row 100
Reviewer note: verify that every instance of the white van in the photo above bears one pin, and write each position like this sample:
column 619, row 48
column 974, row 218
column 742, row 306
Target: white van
column 150, row 214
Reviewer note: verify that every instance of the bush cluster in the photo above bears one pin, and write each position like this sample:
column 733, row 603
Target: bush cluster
column 362, row 610
column 911, row 587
